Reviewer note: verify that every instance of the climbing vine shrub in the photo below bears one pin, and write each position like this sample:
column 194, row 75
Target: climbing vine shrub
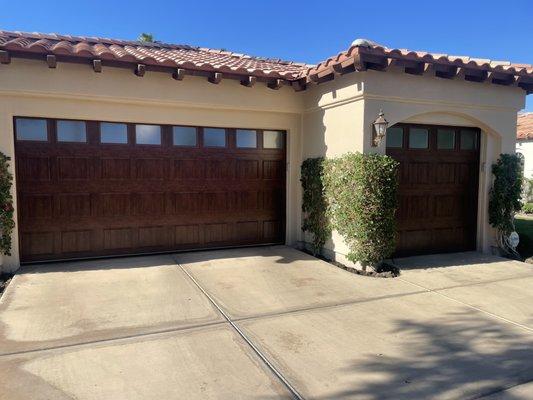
column 361, row 193
column 504, row 200
column 6, row 205
column 314, row 202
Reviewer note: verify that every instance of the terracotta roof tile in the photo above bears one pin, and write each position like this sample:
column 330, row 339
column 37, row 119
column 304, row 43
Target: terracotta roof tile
column 362, row 55
column 363, row 52
column 159, row 54
column 524, row 126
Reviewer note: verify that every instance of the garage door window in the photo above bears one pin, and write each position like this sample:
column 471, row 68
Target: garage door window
column 246, row 139
column 184, row 136
column 113, row 133
column 214, row 137
column 418, row 138
column 395, row 138
column 272, row 139
column 71, row 131
column 148, row 134
column 468, row 139
column 445, row 139
column 31, row 129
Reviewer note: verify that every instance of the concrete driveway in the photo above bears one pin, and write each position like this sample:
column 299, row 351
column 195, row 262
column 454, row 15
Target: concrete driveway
column 267, row 323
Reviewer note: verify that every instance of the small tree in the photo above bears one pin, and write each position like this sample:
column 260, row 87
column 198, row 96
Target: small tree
column 504, row 201
column 314, row 202
column 146, row 37
column 361, row 191
column 7, row 222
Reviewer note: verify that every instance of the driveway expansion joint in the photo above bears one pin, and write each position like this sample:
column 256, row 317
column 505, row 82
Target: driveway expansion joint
column 438, row 292
column 241, row 333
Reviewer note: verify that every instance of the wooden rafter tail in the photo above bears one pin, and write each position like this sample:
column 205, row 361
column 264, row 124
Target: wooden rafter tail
column 179, row 74
column 97, row 66
column 337, row 69
column 299, row 85
column 140, row 70
column 5, row 58
column 446, row 71
column 215, row 78
column 249, row 81
column 275, row 84
column 51, row 60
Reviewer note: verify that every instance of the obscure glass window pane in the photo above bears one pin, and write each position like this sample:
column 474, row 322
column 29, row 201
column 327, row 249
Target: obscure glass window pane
column 214, row 137
column 468, row 139
column 113, row 133
column 272, row 139
column 71, row 131
column 394, row 137
column 184, row 136
column 246, row 138
column 418, row 138
column 445, row 139
column 31, row 129
column 148, row 134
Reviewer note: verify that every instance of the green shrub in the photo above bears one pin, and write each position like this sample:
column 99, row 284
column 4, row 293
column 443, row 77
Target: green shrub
column 527, row 208
column 504, row 198
column 527, row 192
column 361, row 194
column 7, row 222
column 314, row 203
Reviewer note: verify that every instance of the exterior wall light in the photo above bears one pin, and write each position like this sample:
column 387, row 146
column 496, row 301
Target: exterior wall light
column 380, row 128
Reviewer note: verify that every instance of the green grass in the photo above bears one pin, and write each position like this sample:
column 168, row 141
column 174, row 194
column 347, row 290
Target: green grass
column 524, row 227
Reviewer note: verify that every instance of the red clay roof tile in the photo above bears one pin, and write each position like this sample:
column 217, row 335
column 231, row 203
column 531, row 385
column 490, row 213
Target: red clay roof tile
column 360, row 56
column 524, row 126
column 159, row 54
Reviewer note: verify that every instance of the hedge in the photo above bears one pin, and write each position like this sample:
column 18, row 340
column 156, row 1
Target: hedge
column 361, row 191
column 314, row 202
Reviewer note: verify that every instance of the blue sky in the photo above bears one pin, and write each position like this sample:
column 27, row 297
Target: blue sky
column 307, row 31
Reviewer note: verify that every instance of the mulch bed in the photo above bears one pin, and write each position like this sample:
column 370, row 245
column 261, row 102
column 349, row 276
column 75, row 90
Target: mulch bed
column 4, row 281
column 384, row 270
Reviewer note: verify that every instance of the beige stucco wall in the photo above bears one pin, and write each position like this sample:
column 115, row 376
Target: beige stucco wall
column 407, row 98
column 30, row 88
column 325, row 120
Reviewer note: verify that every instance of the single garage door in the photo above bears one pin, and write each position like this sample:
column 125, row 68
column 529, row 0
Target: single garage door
column 89, row 188
column 439, row 168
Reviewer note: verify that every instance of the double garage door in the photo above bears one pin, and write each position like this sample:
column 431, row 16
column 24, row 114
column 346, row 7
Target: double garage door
column 90, row 188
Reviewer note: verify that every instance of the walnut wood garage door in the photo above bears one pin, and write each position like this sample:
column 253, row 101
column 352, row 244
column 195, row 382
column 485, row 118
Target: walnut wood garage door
column 89, row 188
column 438, row 187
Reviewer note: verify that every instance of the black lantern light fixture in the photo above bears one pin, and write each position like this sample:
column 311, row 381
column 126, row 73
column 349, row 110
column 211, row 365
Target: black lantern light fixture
column 380, row 128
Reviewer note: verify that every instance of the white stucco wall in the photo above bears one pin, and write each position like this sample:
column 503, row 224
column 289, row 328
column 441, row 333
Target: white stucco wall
column 525, row 147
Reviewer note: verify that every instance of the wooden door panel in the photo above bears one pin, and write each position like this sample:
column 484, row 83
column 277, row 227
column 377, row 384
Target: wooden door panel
column 89, row 199
column 437, row 197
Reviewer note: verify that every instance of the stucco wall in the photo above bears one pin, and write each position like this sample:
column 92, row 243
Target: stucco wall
column 526, row 148
column 409, row 98
column 326, row 120
column 29, row 88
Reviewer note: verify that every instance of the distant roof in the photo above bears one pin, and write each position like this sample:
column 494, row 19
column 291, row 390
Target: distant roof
column 363, row 54
column 524, row 126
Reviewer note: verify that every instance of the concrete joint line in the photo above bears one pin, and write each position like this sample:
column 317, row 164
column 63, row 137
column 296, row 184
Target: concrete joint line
column 256, row 350
column 109, row 340
column 470, row 306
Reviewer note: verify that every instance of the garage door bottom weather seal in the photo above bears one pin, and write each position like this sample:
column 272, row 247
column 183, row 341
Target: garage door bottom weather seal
column 245, row 338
